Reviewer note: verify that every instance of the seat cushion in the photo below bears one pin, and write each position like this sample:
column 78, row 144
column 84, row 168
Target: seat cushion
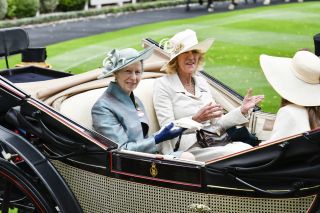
column 78, row 107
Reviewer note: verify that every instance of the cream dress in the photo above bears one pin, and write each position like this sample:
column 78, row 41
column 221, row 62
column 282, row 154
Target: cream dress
column 173, row 102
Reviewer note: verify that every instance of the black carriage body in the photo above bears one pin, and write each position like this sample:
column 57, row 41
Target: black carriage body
column 87, row 169
column 285, row 169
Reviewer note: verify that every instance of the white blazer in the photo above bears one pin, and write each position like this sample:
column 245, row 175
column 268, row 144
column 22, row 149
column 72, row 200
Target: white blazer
column 291, row 120
column 172, row 102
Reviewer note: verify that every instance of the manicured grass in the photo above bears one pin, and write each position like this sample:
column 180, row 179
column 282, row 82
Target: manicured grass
column 12, row 210
column 240, row 37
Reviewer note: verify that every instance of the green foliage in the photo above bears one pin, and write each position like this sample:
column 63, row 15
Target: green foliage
column 71, row 5
column 85, row 13
column 3, row 8
column 11, row 8
column 139, row 1
column 48, row 6
column 22, row 8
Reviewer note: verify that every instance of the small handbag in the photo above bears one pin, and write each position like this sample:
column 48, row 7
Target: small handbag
column 206, row 138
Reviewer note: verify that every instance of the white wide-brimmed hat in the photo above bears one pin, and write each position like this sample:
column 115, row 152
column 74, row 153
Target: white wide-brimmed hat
column 296, row 79
column 118, row 59
column 184, row 41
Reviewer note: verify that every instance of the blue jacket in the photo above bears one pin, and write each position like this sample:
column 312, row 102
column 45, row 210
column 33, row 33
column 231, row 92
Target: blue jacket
column 117, row 117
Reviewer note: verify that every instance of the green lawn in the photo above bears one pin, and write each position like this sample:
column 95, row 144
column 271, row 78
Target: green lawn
column 240, row 37
column 12, row 210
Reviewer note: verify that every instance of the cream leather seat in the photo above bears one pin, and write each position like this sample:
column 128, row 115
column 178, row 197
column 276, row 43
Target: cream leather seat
column 78, row 107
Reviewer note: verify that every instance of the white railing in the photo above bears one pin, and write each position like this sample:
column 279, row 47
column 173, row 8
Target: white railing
column 99, row 3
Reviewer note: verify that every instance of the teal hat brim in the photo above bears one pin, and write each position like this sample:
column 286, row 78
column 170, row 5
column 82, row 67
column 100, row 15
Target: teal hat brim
column 144, row 54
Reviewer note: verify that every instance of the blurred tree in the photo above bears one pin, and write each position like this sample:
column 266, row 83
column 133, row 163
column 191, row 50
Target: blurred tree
column 69, row 5
column 48, row 6
column 3, row 8
column 22, row 8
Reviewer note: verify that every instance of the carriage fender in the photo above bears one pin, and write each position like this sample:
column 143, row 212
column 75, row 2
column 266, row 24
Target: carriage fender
column 43, row 168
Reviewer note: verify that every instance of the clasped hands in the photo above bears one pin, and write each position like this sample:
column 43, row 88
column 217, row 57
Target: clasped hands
column 208, row 112
column 211, row 111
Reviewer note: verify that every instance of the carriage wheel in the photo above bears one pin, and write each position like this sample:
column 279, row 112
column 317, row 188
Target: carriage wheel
column 19, row 192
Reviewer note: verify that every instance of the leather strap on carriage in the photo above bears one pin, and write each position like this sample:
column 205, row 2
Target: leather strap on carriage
column 282, row 148
column 176, row 147
column 26, row 122
column 295, row 188
column 59, row 140
column 36, row 126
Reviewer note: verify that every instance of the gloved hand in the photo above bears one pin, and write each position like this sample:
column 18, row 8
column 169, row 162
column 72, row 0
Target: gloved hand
column 167, row 132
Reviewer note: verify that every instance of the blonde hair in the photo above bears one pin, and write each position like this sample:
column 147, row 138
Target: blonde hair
column 313, row 113
column 172, row 66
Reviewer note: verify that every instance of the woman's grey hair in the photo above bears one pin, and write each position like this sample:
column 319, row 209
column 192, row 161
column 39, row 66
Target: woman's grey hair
column 142, row 69
column 172, row 66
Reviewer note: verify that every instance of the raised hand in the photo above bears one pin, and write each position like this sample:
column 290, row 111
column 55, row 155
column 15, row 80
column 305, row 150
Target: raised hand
column 208, row 112
column 250, row 101
column 167, row 132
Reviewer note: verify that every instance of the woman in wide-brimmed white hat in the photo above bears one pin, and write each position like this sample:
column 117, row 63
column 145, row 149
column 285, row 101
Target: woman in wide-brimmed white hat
column 182, row 93
column 119, row 114
column 297, row 81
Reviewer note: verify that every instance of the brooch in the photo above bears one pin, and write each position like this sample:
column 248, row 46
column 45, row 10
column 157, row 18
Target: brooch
column 140, row 113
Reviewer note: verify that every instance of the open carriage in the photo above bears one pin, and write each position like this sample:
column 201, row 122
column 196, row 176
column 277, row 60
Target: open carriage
column 52, row 161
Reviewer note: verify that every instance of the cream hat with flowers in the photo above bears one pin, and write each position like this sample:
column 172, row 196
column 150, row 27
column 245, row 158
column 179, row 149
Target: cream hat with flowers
column 184, row 41
column 296, row 79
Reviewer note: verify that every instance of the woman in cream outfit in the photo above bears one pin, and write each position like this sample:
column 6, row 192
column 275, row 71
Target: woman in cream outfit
column 297, row 81
column 182, row 93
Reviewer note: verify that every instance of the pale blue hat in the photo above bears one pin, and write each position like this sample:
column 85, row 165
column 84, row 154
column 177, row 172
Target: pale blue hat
column 118, row 59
